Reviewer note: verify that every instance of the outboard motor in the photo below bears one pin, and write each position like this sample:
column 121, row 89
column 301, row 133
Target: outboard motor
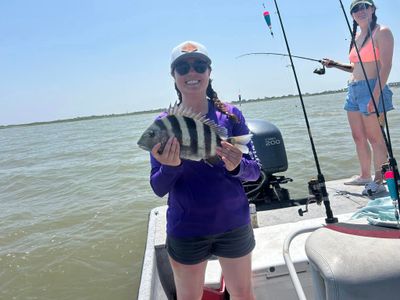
column 268, row 143
column 266, row 193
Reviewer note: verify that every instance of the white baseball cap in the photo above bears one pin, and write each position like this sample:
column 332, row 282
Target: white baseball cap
column 189, row 49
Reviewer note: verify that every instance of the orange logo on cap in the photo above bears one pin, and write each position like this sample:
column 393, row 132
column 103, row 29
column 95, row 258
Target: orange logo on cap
column 188, row 47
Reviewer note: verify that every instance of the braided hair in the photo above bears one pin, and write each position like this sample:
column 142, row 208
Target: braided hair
column 372, row 26
column 219, row 105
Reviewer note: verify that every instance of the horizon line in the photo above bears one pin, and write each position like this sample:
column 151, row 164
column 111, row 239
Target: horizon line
column 83, row 118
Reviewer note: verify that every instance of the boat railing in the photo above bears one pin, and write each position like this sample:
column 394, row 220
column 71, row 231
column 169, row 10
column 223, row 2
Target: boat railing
column 289, row 263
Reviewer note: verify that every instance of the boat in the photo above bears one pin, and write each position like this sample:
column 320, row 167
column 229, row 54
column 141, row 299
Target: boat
column 301, row 251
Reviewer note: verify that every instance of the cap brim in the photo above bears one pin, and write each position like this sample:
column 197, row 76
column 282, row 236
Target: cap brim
column 360, row 2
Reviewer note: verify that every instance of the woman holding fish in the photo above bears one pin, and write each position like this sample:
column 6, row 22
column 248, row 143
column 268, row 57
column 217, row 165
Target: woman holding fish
column 201, row 170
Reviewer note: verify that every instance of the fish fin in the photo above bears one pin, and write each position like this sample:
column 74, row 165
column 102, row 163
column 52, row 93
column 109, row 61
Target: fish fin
column 221, row 131
column 243, row 148
column 173, row 108
column 179, row 110
column 208, row 163
column 241, row 142
column 211, row 161
column 241, row 139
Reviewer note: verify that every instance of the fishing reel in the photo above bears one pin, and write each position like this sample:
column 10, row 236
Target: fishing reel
column 315, row 195
column 320, row 71
column 385, row 167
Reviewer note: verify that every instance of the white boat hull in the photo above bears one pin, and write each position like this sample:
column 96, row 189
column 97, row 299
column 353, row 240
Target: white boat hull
column 271, row 277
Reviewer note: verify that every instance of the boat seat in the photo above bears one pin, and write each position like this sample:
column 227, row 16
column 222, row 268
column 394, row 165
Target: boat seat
column 348, row 266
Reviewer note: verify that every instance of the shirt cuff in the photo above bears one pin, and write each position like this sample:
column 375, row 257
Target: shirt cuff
column 237, row 171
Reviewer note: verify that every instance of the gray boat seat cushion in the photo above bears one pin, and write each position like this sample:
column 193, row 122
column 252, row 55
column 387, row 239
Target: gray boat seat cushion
column 346, row 266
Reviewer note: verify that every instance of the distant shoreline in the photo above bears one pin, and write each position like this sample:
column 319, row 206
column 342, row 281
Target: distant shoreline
column 392, row 84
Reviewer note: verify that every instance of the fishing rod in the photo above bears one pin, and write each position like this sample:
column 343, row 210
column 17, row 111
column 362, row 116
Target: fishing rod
column 319, row 71
column 280, row 54
column 318, row 186
column 392, row 164
column 393, row 179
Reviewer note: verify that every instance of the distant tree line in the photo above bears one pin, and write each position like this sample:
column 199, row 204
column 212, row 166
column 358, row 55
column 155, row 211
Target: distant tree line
column 392, row 84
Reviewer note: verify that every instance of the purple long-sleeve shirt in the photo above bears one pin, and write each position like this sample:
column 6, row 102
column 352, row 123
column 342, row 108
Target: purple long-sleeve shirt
column 205, row 200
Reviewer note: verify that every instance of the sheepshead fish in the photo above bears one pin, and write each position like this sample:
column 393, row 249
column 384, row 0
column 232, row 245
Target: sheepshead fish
column 198, row 136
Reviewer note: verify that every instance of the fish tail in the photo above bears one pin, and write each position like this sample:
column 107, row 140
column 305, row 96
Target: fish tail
column 241, row 142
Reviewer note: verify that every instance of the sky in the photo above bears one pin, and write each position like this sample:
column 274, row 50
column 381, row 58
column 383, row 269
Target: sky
column 75, row 58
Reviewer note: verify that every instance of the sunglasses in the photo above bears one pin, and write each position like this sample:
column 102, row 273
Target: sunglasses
column 359, row 7
column 199, row 66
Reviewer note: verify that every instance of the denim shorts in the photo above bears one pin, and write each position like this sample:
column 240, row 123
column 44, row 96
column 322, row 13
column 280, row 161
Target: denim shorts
column 232, row 244
column 358, row 96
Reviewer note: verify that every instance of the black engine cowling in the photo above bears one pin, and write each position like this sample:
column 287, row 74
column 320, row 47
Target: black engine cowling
column 269, row 146
column 267, row 193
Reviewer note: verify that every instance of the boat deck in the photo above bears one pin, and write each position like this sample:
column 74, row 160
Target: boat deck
column 343, row 199
column 269, row 269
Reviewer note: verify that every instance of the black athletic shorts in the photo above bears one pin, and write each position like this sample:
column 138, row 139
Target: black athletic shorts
column 232, row 244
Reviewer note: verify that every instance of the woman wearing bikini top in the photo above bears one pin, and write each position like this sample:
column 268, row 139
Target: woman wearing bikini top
column 375, row 45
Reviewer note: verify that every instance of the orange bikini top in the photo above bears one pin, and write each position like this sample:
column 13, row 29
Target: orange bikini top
column 366, row 53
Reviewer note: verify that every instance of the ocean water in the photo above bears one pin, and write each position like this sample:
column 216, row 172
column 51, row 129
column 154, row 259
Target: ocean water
column 75, row 197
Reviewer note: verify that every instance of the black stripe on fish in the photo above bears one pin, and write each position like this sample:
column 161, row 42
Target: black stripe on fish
column 163, row 128
column 176, row 128
column 192, row 128
column 207, row 139
column 217, row 142
column 161, row 125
